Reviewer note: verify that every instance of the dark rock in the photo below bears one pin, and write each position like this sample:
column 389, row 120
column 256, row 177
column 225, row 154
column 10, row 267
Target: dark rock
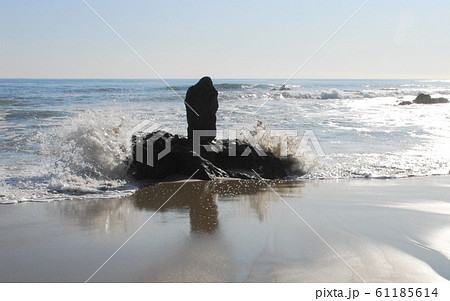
column 160, row 155
column 405, row 103
column 201, row 107
column 282, row 88
column 422, row 98
column 439, row 100
column 180, row 158
column 174, row 154
column 426, row 99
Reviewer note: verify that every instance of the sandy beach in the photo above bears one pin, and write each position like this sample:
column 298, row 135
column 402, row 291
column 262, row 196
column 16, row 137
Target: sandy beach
column 373, row 230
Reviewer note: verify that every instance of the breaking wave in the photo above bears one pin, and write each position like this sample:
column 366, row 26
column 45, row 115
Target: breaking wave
column 54, row 147
column 85, row 156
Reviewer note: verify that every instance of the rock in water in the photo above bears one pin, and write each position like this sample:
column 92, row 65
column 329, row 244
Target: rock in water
column 439, row 100
column 426, row 99
column 160, row 154
column 422, row 98
column 405, row 103
column 201, row 107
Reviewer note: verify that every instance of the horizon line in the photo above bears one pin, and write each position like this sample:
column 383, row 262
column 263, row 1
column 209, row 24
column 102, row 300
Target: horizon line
column 221, row 78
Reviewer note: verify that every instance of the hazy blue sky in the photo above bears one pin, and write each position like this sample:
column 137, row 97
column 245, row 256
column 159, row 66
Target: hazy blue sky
column 225, row 39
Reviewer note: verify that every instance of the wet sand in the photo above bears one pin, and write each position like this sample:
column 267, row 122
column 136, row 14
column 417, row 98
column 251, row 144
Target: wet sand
column 395, row 230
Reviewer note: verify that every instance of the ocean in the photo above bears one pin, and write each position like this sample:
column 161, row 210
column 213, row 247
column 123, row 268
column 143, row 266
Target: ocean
column 70, row 139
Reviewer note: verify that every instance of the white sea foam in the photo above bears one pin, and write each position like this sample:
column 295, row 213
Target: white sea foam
column 297, row 159
column 407, row 93
column 91, row 144
column 76, row 146
column 85, row 156
column 333, row 94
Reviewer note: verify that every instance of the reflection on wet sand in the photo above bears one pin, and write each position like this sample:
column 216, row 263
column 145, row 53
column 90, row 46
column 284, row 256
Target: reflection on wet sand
column 101, row 215
column 234, row 231
column 209, row 253
column 199, row 198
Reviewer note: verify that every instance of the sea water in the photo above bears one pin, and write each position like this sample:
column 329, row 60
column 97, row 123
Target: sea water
column 65, row 139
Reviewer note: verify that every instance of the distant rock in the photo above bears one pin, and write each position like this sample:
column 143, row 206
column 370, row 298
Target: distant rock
column 426, row 99
column 405, row 103
column 282, row 88
column 423, row 98
column 227, row 159
column 439, row 100
column 201, row 107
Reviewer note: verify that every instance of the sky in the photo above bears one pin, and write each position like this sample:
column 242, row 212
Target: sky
column 225, row 39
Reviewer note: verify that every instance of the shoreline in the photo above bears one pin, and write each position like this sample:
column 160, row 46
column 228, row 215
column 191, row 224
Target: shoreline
column 179, row 178
column 388, row 230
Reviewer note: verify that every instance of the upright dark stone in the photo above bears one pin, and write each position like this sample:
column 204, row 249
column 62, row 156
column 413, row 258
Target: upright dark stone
column 201, row 107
